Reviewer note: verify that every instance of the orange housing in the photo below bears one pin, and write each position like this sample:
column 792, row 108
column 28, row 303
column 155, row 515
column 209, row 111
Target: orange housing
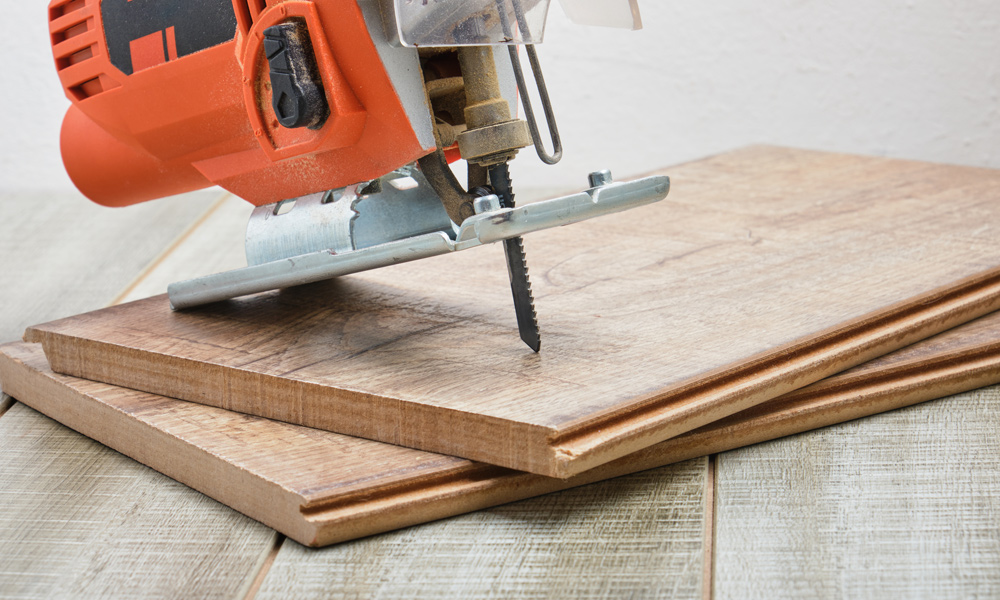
column 181, row 123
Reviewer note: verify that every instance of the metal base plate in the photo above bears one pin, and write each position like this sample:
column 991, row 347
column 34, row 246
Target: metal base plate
column 492, row 224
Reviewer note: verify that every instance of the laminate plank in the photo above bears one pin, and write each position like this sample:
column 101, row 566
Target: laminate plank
column 902, row 505
column 80, row 520
column 63, row 254
column 980, row 332
column 320, row 487
column 768, row 269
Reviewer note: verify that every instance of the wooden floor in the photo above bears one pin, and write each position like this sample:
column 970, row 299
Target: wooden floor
column 901, row 504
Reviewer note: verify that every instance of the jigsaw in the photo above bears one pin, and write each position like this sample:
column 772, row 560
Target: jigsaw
column 339, row 120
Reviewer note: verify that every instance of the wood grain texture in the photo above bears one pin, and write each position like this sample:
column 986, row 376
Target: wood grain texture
column 766, row 271
column 80, row 520
column 85, row 252
column 320, row 487
column 981, row 332
column 215, row 245
column 633, row 537
column 76, row 519
column 901, row 505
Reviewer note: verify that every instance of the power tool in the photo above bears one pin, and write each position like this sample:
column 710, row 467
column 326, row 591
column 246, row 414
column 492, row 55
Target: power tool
column 336, row 119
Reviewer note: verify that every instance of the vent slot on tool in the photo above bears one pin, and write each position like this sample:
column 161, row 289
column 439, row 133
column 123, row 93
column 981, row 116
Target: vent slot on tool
column 247, row 13
column 75, row 43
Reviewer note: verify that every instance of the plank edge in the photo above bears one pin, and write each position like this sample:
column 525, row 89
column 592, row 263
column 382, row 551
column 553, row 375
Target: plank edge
column 685, row 407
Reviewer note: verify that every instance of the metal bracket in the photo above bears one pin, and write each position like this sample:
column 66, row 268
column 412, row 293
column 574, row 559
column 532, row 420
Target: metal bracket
column 493, row 225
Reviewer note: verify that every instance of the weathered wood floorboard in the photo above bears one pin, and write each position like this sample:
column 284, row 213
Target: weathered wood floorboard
column 80, row 520
column 63, row 254
column 638, row 536
column 901, row 505
column 216, row 245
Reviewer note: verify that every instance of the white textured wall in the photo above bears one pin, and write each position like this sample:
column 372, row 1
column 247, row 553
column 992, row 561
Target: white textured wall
column 903, row 78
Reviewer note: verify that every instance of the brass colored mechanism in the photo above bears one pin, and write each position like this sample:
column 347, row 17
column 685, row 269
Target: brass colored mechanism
column 491, row 136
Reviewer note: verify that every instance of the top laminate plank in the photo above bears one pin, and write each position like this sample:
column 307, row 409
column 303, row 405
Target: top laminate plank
column 903, row 505
column 756, row 276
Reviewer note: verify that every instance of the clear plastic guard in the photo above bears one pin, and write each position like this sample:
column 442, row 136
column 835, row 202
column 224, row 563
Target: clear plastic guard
column 426, row 23
column 620, row 14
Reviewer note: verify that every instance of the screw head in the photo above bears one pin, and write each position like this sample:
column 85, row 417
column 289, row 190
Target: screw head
column 599, row 178
column 484, row 204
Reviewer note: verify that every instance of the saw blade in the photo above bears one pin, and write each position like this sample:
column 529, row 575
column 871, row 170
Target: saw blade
column 517, row 265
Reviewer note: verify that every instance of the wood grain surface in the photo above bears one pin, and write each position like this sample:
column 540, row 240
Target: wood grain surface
column 70, row 239
column 80, row 533
column 77, row 519
column 901, row 505
column 319, row 487
column 80, row 520
column 639, row 536
column 215, row 245
column 765, row 271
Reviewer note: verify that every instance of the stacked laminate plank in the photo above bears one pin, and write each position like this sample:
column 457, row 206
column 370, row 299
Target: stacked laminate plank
column 685, row 324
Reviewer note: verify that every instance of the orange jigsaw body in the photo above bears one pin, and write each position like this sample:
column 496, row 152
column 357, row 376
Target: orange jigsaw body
column 181, row 122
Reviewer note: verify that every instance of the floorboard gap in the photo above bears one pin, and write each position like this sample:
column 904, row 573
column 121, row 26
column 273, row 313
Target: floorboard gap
column 708, row 561
column 265, row 566
column 170, row 249
column 5, row 403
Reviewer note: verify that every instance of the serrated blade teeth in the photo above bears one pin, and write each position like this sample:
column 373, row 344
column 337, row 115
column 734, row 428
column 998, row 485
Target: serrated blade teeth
column 520, row 287
column 517, row 265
